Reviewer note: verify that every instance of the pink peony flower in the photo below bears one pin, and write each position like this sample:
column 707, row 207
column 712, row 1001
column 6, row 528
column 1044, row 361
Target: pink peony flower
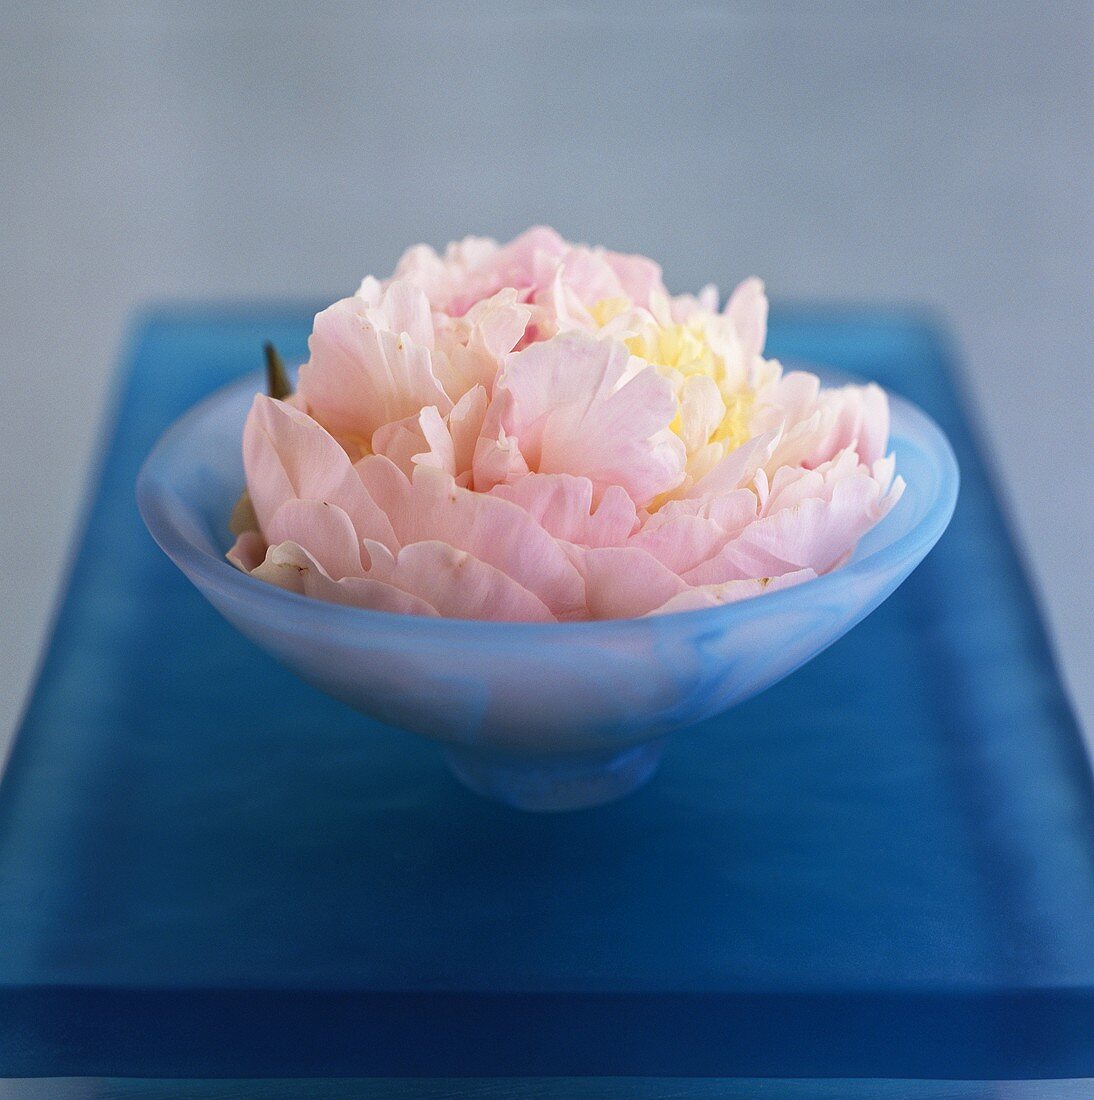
column 539, row 431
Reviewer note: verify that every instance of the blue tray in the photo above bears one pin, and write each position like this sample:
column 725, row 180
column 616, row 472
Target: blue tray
column 883, row 867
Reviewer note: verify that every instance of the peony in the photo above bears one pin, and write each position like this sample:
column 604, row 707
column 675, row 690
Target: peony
column 539, row 431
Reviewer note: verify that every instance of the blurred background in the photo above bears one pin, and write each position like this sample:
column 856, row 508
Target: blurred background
column 929, row 154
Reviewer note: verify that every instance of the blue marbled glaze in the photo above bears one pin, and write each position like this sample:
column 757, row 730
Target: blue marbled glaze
column 541, row 716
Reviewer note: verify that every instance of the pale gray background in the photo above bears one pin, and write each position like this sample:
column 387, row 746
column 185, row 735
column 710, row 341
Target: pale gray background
column 919, row 152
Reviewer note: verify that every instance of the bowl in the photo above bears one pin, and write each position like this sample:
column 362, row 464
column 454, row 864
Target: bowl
column 552, row 716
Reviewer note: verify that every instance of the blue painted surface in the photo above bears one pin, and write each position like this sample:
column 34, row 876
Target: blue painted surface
column 883, row 867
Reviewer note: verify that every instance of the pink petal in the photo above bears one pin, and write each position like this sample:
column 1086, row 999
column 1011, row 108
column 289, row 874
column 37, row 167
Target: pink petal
column 421, row 440
column 361, row 377
column 815, row 534
column 521, row 264
column 247, row 551
column 285, row 566
column 455, row 582
column 873, row 436
column 701, row 410
column 440, row 451
column 747, row 308
column 461, row 586
column 465, row 425
column 497, row 532
column 405, row 309
column 497, row 459
column 497, row 324
column 559, row 307
column 563, row 505
column 400, row 442
column 684, row 533
column 517, row 262
column 623, row 582
column 793, row 484
column 737, row 468
column 717, row 595
column 290, row 566
column 784, row 401
column 684, row 306
column 324, row 529
column 462, row 267
column 469, row 349
column 371, row 290
column 860, row 419
column 585, row 275
column 639, row 277
column 288, row 456
column 582, row 406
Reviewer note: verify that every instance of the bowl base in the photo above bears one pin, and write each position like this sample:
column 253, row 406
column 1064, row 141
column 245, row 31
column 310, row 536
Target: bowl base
column 552, row 783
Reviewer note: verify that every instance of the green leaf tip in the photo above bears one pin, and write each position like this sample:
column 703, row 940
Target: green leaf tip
column 277, row 378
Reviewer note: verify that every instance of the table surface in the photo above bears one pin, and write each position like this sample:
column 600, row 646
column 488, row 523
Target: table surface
column 543, row 1088
column 883, row 867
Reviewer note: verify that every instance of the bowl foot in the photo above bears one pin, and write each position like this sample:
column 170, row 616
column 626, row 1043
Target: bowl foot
column 553, row 783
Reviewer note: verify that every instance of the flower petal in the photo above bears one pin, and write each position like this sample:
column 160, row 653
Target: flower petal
column 469, row 349
column 639, row 277
column 737, row 468
column 461, row 586
column 421, row 440
column 684, row 533
column 497, row 532
column 860, row 419
column 717, row 595
column 623, row 582
column 247, row 551
column 585, row 407
column 361, row 376
column 288, row 456
column 747, row 309
column 325, row 530
column 563, row 505
column 701, row 410
column 444, row 279
column 288, row 565
column 465, row 426
column 814, row 533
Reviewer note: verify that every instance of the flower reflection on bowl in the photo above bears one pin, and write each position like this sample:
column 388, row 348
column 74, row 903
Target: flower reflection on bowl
column 543, row 716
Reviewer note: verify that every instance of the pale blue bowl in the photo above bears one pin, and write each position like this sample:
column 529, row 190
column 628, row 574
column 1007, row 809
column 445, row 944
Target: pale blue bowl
column 541, row 716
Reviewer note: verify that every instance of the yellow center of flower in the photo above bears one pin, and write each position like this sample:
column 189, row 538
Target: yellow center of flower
column 684, row 349
column 607, row 310
column 734, row 429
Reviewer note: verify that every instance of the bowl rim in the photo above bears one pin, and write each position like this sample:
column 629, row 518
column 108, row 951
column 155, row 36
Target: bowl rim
column 156, row 503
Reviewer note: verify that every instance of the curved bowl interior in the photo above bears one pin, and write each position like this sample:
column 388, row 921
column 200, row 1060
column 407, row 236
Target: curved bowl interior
column 523, row 687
